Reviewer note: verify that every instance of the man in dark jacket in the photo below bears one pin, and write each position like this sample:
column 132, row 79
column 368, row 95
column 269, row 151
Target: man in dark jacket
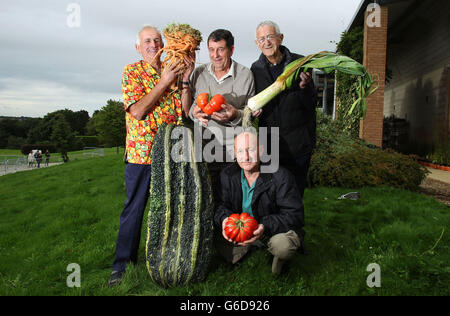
column 292, row 111
column 271, row 198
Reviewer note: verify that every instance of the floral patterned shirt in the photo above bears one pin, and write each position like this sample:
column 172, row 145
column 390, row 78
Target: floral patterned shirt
column 138, row 79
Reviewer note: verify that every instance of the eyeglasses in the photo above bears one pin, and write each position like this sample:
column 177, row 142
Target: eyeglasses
column 269, row 37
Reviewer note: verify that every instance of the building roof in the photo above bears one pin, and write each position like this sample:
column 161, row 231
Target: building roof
column 397, row 10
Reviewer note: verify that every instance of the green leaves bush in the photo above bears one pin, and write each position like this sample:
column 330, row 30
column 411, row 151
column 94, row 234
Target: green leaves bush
column 441, row 154
column 350, row 44
column 25, row 149
column 341, row 160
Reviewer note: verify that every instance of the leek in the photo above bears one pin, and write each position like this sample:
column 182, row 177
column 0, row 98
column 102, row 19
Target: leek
column 325, row 61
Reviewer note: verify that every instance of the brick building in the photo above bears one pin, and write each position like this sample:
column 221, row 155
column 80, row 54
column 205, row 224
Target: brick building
column 410, row 39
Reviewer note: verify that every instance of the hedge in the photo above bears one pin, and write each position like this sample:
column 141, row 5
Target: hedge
column 25, row 149
column 88, row 141
column 340, row 160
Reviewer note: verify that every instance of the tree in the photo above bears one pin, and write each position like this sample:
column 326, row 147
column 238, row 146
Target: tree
column 36, row 133
column 15, row 142
column 14, row 130
column 110, row 123
column 78, row 121
column 4, row 133
column 43, row 130
column 62, row 136
column 90, row 126
column 351, row 44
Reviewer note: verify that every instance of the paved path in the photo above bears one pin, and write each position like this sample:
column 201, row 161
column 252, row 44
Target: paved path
column 14, row 169
column 437, row 185
column 440, row 175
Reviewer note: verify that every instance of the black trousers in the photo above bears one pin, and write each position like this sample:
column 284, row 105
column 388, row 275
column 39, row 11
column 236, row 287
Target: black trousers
column 137, row 181
column 299, row 167
column 214, row 171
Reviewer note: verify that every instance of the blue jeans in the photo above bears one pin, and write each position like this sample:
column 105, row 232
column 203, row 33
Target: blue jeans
column 137, row 181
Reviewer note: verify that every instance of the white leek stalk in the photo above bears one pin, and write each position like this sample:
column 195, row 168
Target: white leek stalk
column 261, row 99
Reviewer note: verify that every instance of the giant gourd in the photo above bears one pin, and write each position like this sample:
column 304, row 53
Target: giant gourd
column 180, row 218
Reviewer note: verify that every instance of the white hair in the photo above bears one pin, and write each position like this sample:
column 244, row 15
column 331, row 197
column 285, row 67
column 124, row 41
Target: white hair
column 144, row 27
column 269, row 23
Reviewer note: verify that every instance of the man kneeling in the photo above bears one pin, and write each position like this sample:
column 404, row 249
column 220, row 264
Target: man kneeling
column 272, row 199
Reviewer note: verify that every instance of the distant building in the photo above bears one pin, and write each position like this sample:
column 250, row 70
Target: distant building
column 324, row 84
column 411, row 38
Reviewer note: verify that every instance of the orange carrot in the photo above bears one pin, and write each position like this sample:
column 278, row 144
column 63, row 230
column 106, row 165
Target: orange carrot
column 182, row 41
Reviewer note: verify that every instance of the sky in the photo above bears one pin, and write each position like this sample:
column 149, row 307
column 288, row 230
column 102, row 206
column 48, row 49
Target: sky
column 58, row 54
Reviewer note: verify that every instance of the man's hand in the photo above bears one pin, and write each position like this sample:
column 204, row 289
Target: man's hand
column 200, row 115
column 149, row 101
column 226, row 115
column 189, row 63
column 257, row 113
column 305, row 79
column 256, row 235
column 223, row 231
column 171, row 73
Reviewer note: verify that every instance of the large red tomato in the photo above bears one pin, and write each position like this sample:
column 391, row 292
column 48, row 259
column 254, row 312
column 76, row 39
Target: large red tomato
column 240, row 227
column 202, row 100
column 215, row 104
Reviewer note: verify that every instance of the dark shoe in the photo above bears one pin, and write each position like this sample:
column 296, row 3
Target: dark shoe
column 115, row 278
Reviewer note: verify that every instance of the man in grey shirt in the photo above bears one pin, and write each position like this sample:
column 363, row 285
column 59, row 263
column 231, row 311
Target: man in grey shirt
column 235, row 82
column 222, row 76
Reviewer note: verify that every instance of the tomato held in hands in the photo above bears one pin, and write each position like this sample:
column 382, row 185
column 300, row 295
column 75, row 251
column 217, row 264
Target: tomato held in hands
column 215, row 104
column 207, row 109
column 202, row 100
column 240, row 227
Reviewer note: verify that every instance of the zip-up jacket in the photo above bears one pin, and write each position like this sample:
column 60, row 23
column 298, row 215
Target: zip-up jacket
column 293, row 110
column 276, row 202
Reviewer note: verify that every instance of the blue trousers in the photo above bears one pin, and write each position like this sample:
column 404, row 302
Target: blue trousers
column 137, row 181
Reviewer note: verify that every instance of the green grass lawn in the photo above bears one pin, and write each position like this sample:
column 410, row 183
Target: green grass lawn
column 17, row 152
column 70, row 214
column 10, row 152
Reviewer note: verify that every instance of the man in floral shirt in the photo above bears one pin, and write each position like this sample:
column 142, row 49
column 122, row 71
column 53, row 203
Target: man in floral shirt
column 148, row 102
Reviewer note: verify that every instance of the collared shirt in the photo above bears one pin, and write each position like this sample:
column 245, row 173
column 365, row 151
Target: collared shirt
column 247, row 194
column 230, row 73
column 237, row 87
column 139, row 79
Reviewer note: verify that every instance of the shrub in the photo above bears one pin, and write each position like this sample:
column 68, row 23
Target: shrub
column 25, row 149
column 350, row 44
column 346, row 161
column 87, row 141
column 441, row 154
column 14, row 142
